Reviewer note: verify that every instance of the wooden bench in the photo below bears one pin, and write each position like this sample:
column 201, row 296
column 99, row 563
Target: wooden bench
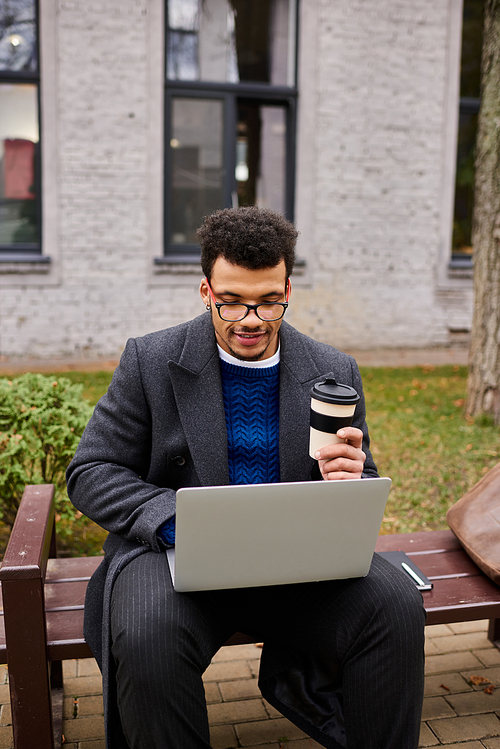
column 42, row 612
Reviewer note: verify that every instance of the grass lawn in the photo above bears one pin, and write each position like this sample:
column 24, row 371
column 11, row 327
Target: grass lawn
column 422, row 439
column 420, row 435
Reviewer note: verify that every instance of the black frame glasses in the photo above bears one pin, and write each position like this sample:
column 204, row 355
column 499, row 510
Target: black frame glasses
column 254, row 307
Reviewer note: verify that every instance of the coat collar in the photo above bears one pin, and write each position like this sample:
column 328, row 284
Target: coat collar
column 196, row 382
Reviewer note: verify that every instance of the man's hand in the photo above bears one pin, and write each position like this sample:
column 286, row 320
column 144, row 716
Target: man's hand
column 344, row 460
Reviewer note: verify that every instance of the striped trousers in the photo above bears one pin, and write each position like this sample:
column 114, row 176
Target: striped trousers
column 372, row 628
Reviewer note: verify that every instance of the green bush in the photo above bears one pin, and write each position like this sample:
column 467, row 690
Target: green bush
column 41, row 422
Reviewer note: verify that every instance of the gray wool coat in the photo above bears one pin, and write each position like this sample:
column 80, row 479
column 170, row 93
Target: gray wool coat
column 161, row 426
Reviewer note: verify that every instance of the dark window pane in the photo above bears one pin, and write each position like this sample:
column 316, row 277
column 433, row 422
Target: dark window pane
column 18, row 164
column 470, row 85
column 18, row 49
column 236, row 40
column 472, row 41
column 464, row 186
column 196, row 149
column 260, row 155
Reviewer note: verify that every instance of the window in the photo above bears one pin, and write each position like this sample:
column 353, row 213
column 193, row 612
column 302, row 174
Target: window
column 19, row 128
column 470, row 81
column 229, row 112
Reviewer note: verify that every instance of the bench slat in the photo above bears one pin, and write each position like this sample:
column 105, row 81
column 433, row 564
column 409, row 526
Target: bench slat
column 65, row 635
column 462, row 599
column 420, row 541
column 71, row 567
column 451, row 564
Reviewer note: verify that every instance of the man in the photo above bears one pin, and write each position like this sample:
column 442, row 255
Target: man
column 225, row 399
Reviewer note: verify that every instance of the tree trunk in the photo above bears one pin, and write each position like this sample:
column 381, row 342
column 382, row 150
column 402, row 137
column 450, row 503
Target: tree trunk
column 483, row 394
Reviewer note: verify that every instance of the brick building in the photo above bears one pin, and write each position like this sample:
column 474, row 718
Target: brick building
column 353, row 126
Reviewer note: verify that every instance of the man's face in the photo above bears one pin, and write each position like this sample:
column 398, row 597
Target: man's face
column 250, row 339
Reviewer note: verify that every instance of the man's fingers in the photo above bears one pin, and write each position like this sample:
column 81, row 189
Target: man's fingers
column 353, row 435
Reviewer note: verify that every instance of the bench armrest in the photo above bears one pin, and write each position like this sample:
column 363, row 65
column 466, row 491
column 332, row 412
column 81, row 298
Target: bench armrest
column 32, row 540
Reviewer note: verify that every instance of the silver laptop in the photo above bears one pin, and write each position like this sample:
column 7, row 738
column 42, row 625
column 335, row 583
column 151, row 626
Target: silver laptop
column 271, row 534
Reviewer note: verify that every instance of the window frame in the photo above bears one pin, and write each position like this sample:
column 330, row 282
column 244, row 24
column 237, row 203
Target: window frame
column 33, row 250
column 265, row 93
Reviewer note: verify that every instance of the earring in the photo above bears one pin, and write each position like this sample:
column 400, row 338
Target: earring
column 207, row 306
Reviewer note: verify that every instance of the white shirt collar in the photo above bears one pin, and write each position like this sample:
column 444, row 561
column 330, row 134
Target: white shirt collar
column 261, row 364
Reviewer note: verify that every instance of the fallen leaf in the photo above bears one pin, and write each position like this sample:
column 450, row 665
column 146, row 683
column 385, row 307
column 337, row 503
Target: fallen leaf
column 489, row 690
column 443, row 686
column 479, row 680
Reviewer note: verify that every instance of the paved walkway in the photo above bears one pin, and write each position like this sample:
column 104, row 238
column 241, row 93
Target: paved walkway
column 457, row 713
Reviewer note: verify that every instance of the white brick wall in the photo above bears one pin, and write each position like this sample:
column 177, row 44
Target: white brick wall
column 369, row 194
column 380, row 95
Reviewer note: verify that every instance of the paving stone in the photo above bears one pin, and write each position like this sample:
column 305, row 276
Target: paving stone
column 449, row 730
column 491, row 743
column 266, row 731
column 454, row 682
column 237, row 653
column 436, row 707
column 236, row 712
column 451, row 662
column 489, row 657
column 229, row 670
column 4, row 693
column 466, row 641
column 69, row 708
column 437, row 630
column 427, row 738
column 69, row 668
column 298, row 744
column 6, row 716
column 430, row 648
column 242, row 689
column 78, row 729
column 82, row 685
column 212, row 693
column 6, row 739
column 90, row 705
column 99, row 744
column 481, row 625
column 467, row 745
column 254, row 667
column 493, row 674
column 271, row 711
column 223, row 737
column 88, row 667
column 475, row 702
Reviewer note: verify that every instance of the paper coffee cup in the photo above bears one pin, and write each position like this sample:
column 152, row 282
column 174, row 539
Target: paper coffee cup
column 332, row 407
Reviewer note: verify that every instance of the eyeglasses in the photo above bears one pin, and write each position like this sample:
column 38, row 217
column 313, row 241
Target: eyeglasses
column 236, row 311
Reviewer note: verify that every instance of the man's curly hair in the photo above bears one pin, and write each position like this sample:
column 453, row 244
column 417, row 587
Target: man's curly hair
column 252, row 237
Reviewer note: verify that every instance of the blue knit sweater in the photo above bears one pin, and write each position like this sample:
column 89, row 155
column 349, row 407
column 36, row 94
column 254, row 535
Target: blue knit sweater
column 252, row 422
column 251, row 405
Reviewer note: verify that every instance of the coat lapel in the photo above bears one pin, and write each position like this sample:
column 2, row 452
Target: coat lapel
column 196, row 382
column 298, row 372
